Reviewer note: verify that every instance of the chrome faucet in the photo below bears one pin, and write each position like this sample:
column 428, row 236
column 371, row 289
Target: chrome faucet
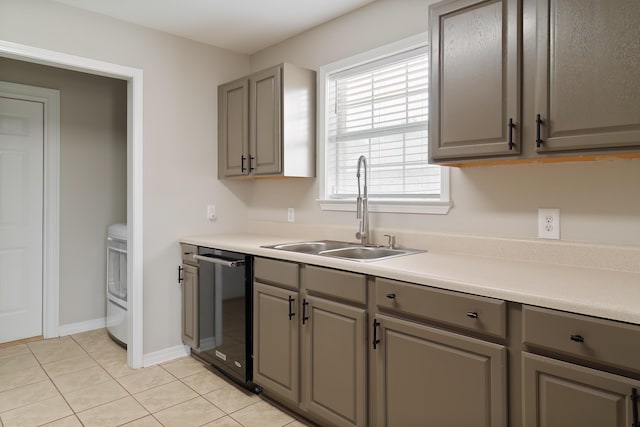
column 362, row 209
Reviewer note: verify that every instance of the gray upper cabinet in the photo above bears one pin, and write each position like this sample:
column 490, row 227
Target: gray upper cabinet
column 233, row 128
column 475, row 79
column 588, row 74
column 266, row 124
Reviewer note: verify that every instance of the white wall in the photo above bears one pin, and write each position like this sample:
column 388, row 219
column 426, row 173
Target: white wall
column 599, row 201
column 180, row 128
column 93, row 178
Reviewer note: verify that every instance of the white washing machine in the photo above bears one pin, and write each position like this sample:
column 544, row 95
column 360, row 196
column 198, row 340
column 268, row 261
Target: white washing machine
column 117, row 282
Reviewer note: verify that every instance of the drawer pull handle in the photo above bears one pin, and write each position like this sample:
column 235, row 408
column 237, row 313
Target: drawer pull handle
column 577, row 338
column 511, row 126
column 539, row 140
column 391, row 296
column 291, row 313
column 472, row 315
column 305, row 303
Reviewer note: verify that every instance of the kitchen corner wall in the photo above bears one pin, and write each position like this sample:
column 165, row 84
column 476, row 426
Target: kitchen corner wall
column 93, row 178
column 599, row 201
column 180, row 128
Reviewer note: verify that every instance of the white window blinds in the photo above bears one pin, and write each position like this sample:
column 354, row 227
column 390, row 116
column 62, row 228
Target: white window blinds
column 380, row 109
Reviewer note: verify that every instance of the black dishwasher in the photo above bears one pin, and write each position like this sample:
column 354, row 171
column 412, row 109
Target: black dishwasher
column 225, row 311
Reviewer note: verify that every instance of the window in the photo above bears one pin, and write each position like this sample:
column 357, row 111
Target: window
column 377, row 104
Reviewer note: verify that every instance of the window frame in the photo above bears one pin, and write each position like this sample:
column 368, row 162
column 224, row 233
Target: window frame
column 438, row 206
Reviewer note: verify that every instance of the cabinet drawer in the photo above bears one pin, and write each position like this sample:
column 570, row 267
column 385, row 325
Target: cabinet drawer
column 274, row 272
column 188, row 251
column 599, row 340
column 475, row 313
column 336, row 283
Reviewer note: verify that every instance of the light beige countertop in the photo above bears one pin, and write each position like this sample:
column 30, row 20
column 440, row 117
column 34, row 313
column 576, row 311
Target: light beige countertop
column 603, row 293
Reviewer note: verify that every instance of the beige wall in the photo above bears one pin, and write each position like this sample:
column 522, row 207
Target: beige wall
column 93, row 177
column 180, row 127
column 599, row 201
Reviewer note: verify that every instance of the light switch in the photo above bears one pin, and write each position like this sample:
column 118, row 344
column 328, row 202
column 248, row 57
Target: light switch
column 211, row 212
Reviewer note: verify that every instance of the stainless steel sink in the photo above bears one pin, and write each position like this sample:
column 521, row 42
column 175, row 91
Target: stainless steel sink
column 312, row 247
column 367, row 253
column 344, row 250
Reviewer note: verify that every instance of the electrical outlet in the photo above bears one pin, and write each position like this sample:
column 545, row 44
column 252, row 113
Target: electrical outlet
column 290, row 214
column 549, row 223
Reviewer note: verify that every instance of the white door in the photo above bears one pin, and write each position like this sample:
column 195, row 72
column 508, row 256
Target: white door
column 21, row 217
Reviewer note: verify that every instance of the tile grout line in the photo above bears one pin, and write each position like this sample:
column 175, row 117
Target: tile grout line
column 114, row 379
column 56, row 387
column 225, row 382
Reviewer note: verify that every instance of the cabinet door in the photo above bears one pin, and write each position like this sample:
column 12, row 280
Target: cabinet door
column 275, row 340
column 475, row 79
column 335, row 361
column 588, row 74
column 429, row 377
column 266, row 122
column 233, row 129
column 190, row 331
column 563, row 394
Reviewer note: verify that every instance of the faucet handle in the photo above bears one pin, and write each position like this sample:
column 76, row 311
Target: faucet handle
column 391, row 242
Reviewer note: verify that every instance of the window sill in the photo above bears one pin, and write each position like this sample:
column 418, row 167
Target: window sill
column 431, row 207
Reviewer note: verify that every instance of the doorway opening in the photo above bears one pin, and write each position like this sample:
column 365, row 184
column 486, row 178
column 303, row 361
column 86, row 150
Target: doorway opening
column 133, row 77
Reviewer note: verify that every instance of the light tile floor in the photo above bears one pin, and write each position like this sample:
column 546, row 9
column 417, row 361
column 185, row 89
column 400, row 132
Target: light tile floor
column 84, row 380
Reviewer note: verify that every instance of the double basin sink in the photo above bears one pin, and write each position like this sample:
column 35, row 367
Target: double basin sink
column 344, row 250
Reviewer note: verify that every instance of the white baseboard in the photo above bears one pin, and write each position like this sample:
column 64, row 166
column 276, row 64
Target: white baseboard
column 87, row 325
column 165, row 355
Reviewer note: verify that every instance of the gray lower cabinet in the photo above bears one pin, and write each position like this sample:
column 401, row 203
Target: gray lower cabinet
column 275, row 340
column 565, row 393
column 310, row 340
column 190, row 306
column 334, row 361
column 188, row 278
column 431, row 377
column 557, row 393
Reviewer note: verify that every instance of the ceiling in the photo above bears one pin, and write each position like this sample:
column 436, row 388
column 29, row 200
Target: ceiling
column 244, row 26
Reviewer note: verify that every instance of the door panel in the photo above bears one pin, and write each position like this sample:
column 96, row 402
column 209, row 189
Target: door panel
column 475, row 75
column 557, row 393
column 265, row 122
column 275, row 340
column 21, row 215
column 335, row 362
column 430, row 377
column 190, row 313
column 233, row 124
column 584, row 103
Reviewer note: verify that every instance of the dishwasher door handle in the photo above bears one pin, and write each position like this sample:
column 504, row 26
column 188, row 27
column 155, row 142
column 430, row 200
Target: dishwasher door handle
column 219, row 261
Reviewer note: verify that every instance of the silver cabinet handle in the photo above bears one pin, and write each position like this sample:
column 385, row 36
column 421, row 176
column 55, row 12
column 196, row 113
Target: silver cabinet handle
column 219, row 261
